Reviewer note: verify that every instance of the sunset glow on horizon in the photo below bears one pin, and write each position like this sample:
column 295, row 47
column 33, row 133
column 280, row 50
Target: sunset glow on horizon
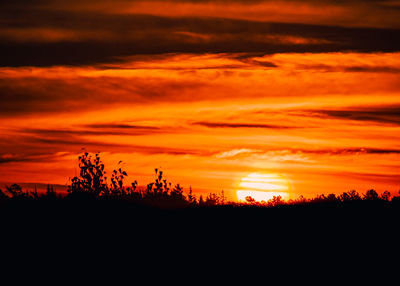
column 263, row 187
column 256, row 98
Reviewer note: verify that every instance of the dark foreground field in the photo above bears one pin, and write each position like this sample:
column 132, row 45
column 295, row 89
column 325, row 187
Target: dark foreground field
column 162, row 216
column 102, row 238
column 287, row 225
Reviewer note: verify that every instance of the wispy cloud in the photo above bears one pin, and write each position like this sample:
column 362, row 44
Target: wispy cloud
column 379, row 114
column 351, row 151
column 234, row 152
column 241, row 125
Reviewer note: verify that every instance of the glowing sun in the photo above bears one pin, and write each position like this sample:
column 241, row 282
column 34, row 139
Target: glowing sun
column 263, row 187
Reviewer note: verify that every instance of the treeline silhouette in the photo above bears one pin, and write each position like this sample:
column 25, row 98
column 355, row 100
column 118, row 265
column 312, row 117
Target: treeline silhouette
column 92, row 184
column 101, row 219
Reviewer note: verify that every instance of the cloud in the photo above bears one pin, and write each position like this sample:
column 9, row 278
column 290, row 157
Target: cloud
column 374, row 69
column 379, row 114
column 352, row 151
column 42, row 149
column 25, row 157
column 97, row 130
column 372, row 177
column 47, row 37
column 300, row 155
column 179, row 78
column 190, row 62
column 283, row 155
column 75, row 93
column 48, row 144
column 347, row 151
column 235, row 152
column 240, row 125
column 350, row 68
column 120, row 126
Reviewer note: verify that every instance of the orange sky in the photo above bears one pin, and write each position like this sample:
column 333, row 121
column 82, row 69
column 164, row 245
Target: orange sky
column 262, row 89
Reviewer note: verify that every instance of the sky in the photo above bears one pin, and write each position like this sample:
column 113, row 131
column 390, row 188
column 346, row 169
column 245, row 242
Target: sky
column 281, row 97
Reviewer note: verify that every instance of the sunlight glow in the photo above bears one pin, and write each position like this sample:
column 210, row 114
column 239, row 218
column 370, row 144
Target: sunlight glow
column 260, row 196
column 263, row 187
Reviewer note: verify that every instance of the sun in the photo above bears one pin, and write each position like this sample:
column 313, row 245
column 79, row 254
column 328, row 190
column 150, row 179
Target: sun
column 263, row 187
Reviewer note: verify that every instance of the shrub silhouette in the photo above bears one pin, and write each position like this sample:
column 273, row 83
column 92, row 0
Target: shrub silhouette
column 92, row 178
column 15, row 191
column 117, row 182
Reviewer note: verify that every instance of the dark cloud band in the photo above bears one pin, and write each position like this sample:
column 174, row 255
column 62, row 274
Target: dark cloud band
column 240, row 125
column 82, row 38
column 386, row 114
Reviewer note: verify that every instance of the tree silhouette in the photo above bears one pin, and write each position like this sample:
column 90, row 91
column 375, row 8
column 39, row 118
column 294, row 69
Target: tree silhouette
column 250, row 200
column 371, row 195
column 3, row 196
column 191, row 198
column 350, row 196
column 386, row 196
column 275, row 201
column 92, row 183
